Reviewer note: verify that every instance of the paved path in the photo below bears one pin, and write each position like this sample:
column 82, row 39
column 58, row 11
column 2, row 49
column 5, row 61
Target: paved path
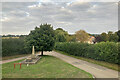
column 11, row 60
column 95, row 70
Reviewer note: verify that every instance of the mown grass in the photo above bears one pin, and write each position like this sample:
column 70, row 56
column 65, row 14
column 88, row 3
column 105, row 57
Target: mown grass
column 47, row 67
column 102, row 63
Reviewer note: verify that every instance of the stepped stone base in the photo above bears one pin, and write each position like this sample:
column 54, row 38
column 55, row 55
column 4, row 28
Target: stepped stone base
column 31, row 60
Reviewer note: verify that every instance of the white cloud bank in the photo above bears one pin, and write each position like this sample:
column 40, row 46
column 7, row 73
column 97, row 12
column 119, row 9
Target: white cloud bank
column 94, row 17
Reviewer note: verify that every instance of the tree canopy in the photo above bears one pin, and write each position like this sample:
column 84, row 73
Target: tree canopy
column 104, row 37
column 118, row 33
column 82, row 36
column 113, row 37
column 61, row 35
column 42, row 38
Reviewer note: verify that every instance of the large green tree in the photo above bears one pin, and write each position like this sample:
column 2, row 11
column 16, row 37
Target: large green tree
column 42, row 38
column 72, row 38
column 104, row 37
column 61, row 35
column 113, row 36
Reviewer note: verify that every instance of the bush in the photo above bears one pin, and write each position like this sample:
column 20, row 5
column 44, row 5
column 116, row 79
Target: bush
column 13, row 46
column 103, row 51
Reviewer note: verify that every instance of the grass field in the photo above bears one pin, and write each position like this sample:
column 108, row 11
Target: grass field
column 102, row 63
column 47, row 67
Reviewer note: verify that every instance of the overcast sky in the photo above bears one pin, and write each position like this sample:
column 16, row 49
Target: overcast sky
column 93, row 17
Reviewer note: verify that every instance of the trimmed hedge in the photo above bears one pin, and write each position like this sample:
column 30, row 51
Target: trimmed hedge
column 13, row 46
column 103, row 51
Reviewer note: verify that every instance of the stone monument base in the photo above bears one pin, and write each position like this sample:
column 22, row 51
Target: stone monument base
column 31, row 60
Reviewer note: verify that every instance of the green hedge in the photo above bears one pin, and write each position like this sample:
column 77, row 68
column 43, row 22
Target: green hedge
column 103, row 51
column 13, row 46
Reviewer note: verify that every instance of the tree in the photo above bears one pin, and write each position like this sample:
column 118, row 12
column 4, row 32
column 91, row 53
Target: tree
column 98, row 38
column 71, row 38
column 110, row 35
column 104, row 37
column 113, row 36
column 82, row 36
column 61, row 35
column 60, row 38
column 42, row 38
column 118, row 33
column 60, row 29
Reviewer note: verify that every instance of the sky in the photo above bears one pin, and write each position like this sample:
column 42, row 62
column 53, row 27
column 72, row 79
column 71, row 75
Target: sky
column 93, row 17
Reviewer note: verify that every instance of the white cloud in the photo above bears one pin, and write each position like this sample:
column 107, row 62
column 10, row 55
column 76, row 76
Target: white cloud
column 59, row 0
column 73, row 15
column 32, row 6
column 4, row 19
column 27, row 14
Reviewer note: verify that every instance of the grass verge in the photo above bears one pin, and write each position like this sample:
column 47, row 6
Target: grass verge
column 47, row 67
column 102, row 63
column 15, row 56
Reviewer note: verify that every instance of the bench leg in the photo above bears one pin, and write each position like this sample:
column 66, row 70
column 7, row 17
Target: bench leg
column 14, row 66
column 20, row 66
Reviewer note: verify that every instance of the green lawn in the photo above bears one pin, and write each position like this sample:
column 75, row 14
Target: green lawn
column 47, row 67
column 102, row 63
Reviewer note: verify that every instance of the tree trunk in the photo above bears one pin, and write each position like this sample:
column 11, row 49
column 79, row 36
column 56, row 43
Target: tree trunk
column 42, row 53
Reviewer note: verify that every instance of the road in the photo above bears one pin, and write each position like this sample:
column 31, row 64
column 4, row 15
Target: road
column 96, row 70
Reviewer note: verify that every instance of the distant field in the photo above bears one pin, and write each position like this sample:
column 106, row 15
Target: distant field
column 47, row 67
column 9, row 37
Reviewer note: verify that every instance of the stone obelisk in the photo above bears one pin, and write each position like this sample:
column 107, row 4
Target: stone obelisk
column 33, row 51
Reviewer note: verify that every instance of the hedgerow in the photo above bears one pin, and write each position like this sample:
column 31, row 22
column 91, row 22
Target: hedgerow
column 13, row 46
column 103, row 51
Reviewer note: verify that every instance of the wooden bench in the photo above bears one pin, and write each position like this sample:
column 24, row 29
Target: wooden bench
column 17, row 63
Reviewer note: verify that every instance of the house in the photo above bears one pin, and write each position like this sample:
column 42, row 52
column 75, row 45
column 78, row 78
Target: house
column 91, row 40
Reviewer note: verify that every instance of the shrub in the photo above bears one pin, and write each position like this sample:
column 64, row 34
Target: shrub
column 103, row 51
column 73, row 48
column 107, row 51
